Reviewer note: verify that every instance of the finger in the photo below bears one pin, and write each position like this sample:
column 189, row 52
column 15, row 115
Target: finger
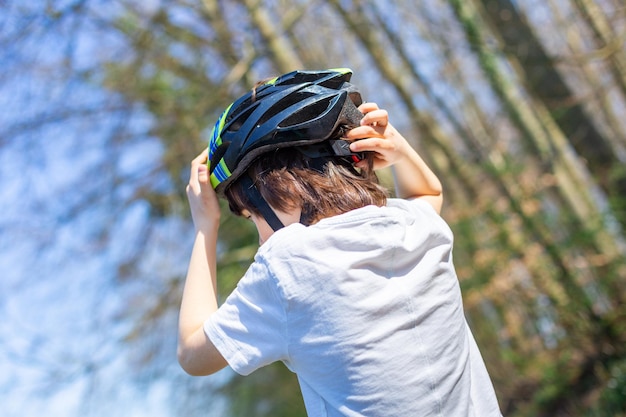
column 368, row 107
column 376, row 118
column 203, row 157
column 362, row 132
column 362, row 164
column 203, row 174
column 371, row 144
column 196, row 163
column 193, row 174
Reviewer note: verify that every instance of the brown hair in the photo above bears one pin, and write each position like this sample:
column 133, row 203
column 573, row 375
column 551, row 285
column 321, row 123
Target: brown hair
column 287, row 180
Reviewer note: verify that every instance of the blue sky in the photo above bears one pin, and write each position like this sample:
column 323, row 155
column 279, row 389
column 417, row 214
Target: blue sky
column 66, row 225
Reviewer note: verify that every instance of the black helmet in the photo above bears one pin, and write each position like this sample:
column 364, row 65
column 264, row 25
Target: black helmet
column 301, row 109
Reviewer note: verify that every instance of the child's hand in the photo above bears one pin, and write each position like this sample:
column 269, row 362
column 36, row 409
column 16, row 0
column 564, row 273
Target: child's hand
column 377, row 135
column 413, row 178
column 205, row 209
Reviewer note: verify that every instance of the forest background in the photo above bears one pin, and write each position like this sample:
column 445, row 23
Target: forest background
column 519, row 106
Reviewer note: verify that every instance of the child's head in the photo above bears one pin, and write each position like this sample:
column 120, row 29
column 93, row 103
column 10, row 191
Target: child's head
column 289, row 180
column 278, row 144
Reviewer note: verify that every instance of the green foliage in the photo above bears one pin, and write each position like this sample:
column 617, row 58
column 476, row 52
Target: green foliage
column 538, row 215
column 270, row 391
column 612, row 399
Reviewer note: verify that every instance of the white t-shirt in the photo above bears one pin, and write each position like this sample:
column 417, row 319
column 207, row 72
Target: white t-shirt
column 366, row 309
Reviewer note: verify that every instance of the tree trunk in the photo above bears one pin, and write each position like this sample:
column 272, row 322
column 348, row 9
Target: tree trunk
column 544, row 82
column 283, row 55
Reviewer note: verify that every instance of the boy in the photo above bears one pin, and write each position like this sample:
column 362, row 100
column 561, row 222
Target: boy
column 355, row 292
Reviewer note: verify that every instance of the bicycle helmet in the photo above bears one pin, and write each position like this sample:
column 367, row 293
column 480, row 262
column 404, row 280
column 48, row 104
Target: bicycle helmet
column 300, row 109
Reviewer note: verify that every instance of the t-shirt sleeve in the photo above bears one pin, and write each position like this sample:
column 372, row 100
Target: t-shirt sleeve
column 249, row 328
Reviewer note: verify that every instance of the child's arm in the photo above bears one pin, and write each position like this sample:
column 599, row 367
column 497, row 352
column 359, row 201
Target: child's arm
column 413, row 178
column 196, row 353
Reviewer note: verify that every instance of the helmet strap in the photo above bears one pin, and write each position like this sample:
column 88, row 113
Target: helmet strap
column 257, row 200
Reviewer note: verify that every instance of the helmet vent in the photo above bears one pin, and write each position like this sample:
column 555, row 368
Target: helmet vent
column 238, row 121
column 308, row 113
column 286, row 103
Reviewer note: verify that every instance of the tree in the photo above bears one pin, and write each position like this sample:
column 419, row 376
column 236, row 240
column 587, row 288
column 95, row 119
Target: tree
column 489, row 92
